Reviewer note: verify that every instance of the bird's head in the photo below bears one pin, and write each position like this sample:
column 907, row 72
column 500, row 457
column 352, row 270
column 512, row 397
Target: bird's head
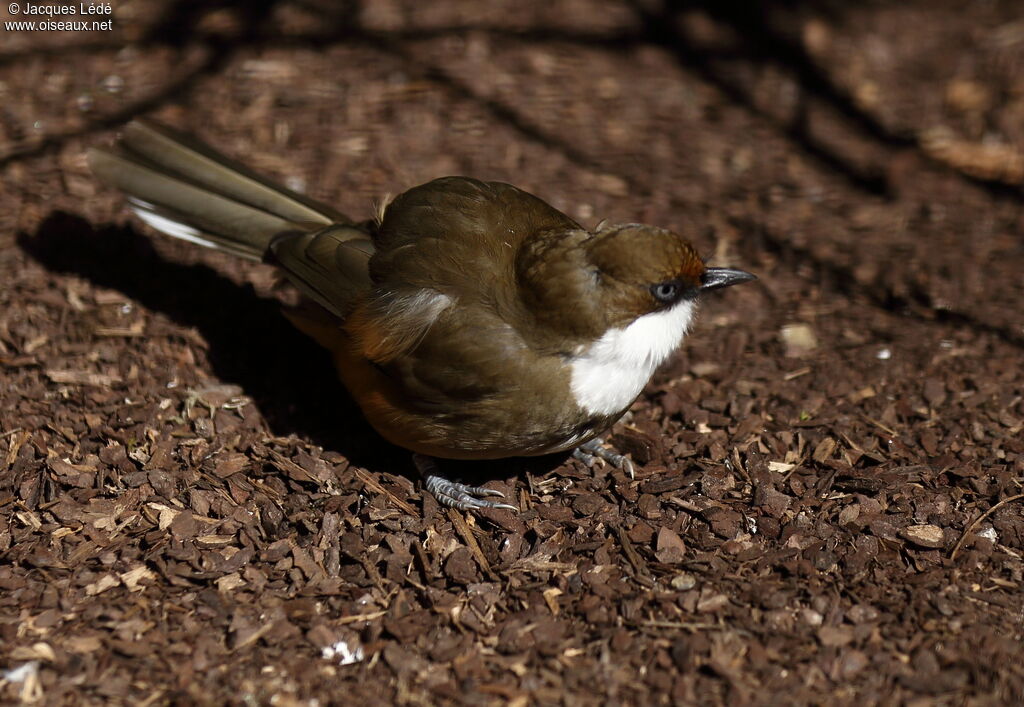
column 586, row 284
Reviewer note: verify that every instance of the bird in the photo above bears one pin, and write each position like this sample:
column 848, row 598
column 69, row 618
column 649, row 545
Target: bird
column 468, row 319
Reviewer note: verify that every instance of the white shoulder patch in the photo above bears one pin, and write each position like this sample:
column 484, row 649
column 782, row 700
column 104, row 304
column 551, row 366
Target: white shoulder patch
column 419, row 309
column 607, row 376
column 400, row 321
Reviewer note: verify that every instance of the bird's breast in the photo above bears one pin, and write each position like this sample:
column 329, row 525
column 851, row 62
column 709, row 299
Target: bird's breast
column 608, row 375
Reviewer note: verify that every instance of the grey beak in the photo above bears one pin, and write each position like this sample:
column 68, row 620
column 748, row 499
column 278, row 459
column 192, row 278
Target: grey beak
column 716, row 278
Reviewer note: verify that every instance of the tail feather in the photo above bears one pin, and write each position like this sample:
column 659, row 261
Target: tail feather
column 167, row 224
column 199, row 164
column 188, row 191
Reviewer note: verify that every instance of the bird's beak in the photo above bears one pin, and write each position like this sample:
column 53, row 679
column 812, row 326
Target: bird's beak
column 716, row 278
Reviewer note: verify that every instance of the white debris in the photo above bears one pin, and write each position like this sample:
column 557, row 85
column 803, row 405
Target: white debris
column 344, row 654
column 884, row 354
column 989, row 533
column 22, row 673
column 799, row 339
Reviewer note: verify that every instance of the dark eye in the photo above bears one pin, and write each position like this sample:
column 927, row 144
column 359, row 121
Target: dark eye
column 665, row 291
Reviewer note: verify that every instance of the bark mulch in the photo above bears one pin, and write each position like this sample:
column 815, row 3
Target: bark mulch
column 827, row 507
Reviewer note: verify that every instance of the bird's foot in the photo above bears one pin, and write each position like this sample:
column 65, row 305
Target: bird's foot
column 591, row 451
column 453, row 494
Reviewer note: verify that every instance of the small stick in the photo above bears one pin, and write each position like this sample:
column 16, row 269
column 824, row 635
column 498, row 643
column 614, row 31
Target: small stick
column 983, row 516
column 474, row 548
column 373, row 484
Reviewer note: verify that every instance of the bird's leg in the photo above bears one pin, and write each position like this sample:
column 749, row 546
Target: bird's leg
column 454, row 494
column 589, row 452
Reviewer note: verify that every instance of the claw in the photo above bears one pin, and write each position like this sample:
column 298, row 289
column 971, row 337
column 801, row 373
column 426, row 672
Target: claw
column 461, row 496
column 590, row 451
column 588, row 459
column 453, row 494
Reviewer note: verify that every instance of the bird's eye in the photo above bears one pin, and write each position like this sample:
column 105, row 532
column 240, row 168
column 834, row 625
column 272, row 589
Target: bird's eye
column 665, row 291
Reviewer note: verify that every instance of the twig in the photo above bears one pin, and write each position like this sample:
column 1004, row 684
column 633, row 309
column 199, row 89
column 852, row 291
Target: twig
column 632, row 556
column 983, row 516
column 355, row 618
column 374, row 485
column 467, row 534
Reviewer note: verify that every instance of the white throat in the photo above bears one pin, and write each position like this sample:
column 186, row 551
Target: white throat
column 609, row 374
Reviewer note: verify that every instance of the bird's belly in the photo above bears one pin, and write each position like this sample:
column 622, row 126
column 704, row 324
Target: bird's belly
column 532, row 415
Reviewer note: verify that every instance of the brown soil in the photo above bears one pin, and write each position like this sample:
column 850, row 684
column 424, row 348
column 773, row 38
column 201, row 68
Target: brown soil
column 827, row 506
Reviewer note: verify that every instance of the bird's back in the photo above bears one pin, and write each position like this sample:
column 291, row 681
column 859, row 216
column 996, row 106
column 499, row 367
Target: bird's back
column 460, row 236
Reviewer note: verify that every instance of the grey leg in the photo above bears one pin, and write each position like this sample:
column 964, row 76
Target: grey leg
column 453, row 494
column 590, row 452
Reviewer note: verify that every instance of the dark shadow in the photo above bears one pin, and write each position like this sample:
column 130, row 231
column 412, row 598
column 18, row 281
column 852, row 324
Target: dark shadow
column 500, row 112
column 64, row 51
column 178, row 27
column 917, row 303
column 764, row 35
column 178, row 24
column 251, row 344
column 174, row 88
column 761, row 44
column 768, row 32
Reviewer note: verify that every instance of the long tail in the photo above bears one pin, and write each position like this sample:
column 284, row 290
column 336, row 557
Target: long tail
column 189, row 191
